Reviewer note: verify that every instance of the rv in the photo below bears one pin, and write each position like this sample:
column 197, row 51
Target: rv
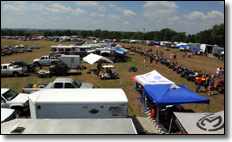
column 217, row 51
column 207, row 48
column 78, row 103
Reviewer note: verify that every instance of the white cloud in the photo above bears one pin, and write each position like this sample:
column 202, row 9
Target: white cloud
column 18, row 7
column 113, row 17
column 55, row 8
column 94, row 14
column 196, row 15
column 126, row 12
column 125, row 22
column 91, row 4
column 214, row 14
column 159, row 9
column 174, row 18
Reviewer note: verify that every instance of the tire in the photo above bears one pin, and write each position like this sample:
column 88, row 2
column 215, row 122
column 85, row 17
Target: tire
column 37, row 64
column 15, row 74
column 18, row 110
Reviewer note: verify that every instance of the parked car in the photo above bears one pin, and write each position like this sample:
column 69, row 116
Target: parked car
column 11, row 70
column 35, row 47
column 14, row 100
column 58, row 83
column 28, row 68
column 45, row 60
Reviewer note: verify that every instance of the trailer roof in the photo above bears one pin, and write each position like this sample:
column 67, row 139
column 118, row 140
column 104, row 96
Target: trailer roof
column 71, row 126
column 80, row 96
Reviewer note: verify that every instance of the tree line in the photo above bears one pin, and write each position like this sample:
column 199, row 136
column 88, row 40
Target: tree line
column 215, row 35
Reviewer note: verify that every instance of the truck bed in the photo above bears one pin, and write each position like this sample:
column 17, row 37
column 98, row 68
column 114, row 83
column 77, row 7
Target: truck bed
column 29, row 88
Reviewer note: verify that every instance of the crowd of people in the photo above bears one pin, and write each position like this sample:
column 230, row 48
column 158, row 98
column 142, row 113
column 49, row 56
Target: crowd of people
column 205, row 80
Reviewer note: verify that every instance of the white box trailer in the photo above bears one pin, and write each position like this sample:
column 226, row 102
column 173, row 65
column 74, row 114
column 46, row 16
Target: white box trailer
column 78, row 103
column 72, row 61
column 69, row 126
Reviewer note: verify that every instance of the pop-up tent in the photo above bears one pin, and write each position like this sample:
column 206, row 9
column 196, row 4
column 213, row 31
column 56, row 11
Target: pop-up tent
column 151, row 78
column 93, row 58
column 170, row 94
column 201, row 123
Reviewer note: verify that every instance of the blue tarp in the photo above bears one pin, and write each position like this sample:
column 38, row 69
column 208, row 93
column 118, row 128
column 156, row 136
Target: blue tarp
column 181, row 46
column 196, row 48
column 121, row 51
column 156, row 42
column 163, row 95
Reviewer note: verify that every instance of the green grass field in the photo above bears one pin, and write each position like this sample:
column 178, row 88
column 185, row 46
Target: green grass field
column 205, row 64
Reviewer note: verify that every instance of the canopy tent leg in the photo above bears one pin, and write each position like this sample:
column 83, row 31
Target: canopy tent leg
column 170, row 126
column 208, row 108
column 157, row 116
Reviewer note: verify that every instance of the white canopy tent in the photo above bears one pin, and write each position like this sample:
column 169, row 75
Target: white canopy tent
column 93, row 58
column 151, row 78
column 202, row 123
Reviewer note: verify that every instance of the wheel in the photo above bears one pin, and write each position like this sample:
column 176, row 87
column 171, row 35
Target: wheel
column 18, row 110
column 15, row 74
column 37, row 64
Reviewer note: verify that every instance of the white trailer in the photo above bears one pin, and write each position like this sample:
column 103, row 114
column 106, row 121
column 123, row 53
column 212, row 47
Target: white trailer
column 72, row 61
column 75, row 103
column 69, row 126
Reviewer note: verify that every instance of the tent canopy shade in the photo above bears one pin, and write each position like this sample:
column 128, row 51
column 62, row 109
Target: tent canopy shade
column 166, row 94
column 151, row 78
column 93, row 58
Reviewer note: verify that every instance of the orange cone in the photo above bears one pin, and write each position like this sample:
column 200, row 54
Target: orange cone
column 168, row 71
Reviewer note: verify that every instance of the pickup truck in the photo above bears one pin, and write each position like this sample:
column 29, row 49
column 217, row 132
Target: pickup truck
column 45, row 60
column 13, row 100
column 56, row 84
column 26, row 67
column 11, row 70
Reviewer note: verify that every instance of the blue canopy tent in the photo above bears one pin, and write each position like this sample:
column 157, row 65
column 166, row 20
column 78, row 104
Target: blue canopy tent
column 170, row 94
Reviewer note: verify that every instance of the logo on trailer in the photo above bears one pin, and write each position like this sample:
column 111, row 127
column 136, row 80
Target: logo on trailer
column 93, row 111
column 210, row 123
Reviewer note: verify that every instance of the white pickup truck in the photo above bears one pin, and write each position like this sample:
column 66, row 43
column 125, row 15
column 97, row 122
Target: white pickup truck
column 45, row 60
column 13, row 100
column 57, row 84
column 11, row 70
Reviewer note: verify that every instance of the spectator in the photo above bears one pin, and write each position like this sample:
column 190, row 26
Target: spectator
column 218, row 70
column 151, row 60
column 171, row 55
column 174, row 55
column 222, row 72
column 211, row 87
column 184, row 54
column 198, row 83
column 145, row 61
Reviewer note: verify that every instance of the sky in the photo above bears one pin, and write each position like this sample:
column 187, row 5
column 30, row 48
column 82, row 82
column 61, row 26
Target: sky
column 144, row 16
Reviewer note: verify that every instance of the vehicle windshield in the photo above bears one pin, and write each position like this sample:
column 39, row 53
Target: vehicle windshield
column 10, row 95
column 76, row 83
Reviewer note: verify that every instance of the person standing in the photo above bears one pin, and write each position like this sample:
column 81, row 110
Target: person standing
column 145, row 61
column 174, row 55
column 199, row 83
column 211, row 87
column 171, row 55
column 218, row 70
column 151, row 59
